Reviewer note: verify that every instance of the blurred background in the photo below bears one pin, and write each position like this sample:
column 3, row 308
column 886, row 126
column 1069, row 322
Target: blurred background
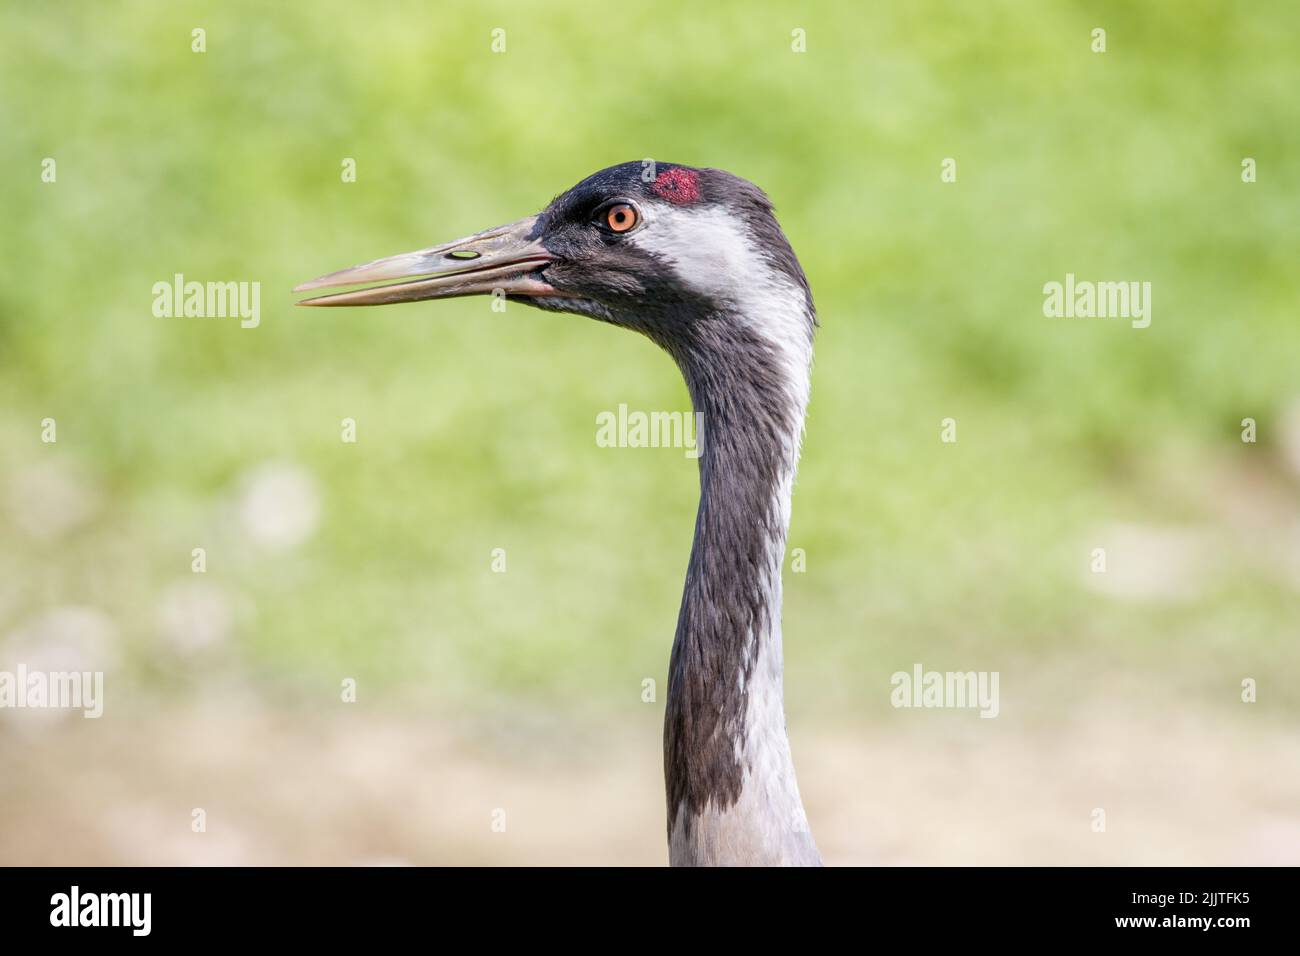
column 522, row 691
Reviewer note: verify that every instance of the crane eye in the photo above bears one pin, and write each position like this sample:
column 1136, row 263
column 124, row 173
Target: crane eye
column 621, row 217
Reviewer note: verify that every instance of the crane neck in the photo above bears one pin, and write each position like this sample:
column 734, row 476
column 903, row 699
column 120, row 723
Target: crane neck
column 732, row 793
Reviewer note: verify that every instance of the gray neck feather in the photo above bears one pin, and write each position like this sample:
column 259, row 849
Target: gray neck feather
column 732, row 795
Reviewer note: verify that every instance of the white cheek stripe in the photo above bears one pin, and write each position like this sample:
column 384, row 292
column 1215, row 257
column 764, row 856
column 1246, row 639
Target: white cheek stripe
column 714, row 255
column 705, row 246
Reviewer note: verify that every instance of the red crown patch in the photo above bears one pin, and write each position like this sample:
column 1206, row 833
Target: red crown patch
column 678, row 185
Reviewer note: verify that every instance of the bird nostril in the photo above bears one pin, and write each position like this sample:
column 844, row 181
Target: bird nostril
column 463, row 254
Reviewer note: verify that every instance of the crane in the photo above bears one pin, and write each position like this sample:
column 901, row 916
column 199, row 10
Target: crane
column 693, row 259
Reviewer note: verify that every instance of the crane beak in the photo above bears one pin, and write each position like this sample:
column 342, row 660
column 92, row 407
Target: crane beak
column 507, row 260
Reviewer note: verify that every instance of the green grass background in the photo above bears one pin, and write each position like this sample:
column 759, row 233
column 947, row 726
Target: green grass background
column 476, row 430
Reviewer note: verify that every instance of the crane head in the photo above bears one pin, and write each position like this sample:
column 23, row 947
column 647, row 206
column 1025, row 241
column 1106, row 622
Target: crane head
column 648, row 246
